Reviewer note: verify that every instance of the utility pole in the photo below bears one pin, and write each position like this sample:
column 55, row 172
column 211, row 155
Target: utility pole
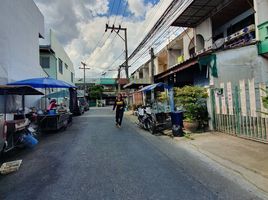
column 84, row 68
column 118, row 79
column 152, row 71
column 117, row 30
column 152, row 64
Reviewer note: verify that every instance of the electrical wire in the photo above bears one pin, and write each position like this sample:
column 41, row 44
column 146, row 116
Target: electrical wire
column 111, row 11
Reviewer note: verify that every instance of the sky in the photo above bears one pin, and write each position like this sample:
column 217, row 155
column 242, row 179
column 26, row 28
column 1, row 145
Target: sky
column 79, row 25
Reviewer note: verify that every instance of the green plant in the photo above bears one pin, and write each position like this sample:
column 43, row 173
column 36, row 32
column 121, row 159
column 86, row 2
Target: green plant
column 192, row 99
column 95, row 92
column 162, row 97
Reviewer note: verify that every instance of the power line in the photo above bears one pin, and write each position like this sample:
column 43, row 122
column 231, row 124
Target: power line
column 111, row 12
column 172, row 9
column 117, row 11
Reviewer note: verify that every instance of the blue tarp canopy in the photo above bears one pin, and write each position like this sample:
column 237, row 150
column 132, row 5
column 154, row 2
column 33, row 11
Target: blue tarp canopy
column 46, row 82
column 59, row 94
column 153, row 86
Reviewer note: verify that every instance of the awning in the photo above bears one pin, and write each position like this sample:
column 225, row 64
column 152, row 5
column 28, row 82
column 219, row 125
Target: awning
column 198, row 11
column 153, row 86
column 177, row 68
column 211, row 62
column 133, row 85
column 18, row 90
column 43, row 83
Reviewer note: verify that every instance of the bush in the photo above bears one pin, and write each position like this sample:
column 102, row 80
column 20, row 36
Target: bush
column 192, row 99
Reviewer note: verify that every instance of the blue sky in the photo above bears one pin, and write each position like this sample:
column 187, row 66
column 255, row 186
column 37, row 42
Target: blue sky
column 79, row 26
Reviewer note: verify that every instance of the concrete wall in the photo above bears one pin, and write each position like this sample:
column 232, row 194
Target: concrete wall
column 21, row 23
column 241, row 63
column 52, row 70
column 261, row 16
column 205, row 29
column 60, row 53
column 186, row 42
column 173, row 57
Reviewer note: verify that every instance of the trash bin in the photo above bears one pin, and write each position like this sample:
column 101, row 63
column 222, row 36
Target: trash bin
column 177, row 123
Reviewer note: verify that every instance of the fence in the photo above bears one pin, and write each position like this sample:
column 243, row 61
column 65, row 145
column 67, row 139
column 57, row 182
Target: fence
column 239, row 110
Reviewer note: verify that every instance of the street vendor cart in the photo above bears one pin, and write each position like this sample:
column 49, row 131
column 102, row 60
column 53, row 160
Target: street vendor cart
column 50, row 120
column 14, row 125
column 158, row 112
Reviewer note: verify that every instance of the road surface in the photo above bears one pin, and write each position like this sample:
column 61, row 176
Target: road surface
column 93, row 159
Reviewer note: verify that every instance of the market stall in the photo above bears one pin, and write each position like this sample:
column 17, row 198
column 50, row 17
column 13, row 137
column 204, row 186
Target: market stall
column 15, row 125
column 57, row 117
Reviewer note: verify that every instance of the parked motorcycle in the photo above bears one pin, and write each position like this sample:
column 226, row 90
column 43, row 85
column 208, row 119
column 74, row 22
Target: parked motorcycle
column 146, row 119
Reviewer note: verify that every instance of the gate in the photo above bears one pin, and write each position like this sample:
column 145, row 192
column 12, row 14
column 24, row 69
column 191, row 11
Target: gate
column 239, row 110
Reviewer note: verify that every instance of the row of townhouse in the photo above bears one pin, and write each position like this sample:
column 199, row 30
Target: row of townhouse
column 21, row 55
column 224, row 47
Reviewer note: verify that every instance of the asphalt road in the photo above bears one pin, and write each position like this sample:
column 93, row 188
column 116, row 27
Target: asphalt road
column 93, row 159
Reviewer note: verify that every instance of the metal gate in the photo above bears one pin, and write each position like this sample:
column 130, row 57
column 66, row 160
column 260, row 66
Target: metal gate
column 238, row 109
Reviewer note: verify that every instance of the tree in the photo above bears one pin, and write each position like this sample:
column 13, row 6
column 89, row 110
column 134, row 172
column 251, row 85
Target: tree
column 95, row 92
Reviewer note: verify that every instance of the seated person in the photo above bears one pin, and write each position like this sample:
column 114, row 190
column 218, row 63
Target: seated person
column 52, row 105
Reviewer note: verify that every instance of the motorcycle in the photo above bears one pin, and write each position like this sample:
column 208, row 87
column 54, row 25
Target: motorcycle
column 145, row 119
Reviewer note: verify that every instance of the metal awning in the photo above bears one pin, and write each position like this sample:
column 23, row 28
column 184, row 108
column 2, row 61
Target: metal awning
column 177, row 68
column 133, row 85
column 198, row 11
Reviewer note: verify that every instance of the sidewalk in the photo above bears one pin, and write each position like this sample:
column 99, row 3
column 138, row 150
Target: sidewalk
column 245, row 157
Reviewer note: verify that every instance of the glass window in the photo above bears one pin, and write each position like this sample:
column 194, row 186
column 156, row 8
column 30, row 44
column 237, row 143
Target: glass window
column 60, row 66
column 44, row 62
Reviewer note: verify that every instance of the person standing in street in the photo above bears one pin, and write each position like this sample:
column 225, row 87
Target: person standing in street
column 119, row 105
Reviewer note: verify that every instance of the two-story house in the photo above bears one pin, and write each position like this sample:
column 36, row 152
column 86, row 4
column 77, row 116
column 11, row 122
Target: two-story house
column 55, row 61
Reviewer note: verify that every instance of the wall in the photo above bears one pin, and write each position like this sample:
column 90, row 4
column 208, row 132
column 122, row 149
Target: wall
column 60, row 53
column 205, row 29
column 52, row 70
column 261, row 16
column 173, row 57
column 241, row 63
column 186, row 42
column 21, row 23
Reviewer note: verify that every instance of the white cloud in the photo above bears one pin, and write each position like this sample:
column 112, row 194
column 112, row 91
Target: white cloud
column 137, row 7
column 79, row 25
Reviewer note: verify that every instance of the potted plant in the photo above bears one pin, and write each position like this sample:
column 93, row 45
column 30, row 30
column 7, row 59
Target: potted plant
column 192, row 99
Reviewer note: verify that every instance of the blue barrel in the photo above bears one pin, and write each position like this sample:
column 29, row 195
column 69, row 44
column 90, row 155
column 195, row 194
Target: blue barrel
column 29, row 140
column 177, row 118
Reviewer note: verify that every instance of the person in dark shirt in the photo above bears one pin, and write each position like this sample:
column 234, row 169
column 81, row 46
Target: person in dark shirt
column 119, row 105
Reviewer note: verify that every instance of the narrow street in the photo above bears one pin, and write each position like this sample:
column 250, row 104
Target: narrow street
column 95, row 160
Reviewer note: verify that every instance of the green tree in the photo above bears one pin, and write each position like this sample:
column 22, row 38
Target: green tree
column 95, row 92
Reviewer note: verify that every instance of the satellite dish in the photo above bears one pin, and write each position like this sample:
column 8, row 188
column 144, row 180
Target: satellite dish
column 218, row 43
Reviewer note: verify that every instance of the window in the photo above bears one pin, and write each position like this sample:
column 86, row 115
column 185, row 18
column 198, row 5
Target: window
column 66, row 66
column 44, row 62
column 72, row 77
column 60, row 66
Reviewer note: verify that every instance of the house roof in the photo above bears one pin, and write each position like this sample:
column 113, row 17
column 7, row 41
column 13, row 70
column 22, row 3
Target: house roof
column 198, row 11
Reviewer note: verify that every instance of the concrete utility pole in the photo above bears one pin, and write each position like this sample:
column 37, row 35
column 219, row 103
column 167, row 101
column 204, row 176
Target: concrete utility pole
column 118, row 79
column 117, row 30
column 152, row 71
column 84, row 68
column 152, row 64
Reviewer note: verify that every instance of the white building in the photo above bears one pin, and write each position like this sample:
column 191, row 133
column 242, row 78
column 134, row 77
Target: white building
column 22, row 24
column 55, row 61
